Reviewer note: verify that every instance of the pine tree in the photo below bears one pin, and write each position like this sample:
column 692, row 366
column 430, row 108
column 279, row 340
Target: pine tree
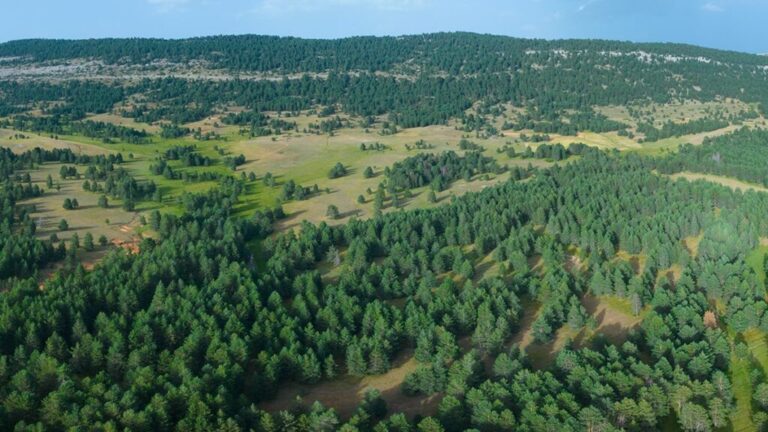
column 311, row 371
column 329, row 367
column 88, row 242
column 333, row 212
column 379, row 361
column 355, row 362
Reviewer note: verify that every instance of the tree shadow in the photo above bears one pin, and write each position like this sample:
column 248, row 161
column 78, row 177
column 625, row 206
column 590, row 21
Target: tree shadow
column 350, row 213
column 481, row 269
column 290, row 220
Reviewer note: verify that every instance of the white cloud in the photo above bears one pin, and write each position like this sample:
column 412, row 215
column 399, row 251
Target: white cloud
column 163, row 6
column 712, row 7
column 312, row 5
column 586, row 4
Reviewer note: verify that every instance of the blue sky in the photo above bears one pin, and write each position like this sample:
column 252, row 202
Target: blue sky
column 729, row 24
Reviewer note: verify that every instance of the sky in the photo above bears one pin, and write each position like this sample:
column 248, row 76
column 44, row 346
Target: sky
column 727, row 24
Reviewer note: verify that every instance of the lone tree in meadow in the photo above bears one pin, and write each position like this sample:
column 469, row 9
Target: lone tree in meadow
column 337, row 171
column 333, row 212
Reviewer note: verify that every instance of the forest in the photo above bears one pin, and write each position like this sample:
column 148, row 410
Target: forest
column 738, row 155
column 186, row 334
column 530, row 73
column 488, row 231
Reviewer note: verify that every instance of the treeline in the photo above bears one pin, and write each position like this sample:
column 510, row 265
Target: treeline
column 70, row 99
column 670, row 129
column 58, row 125
column 555, row 152
column 469, row 54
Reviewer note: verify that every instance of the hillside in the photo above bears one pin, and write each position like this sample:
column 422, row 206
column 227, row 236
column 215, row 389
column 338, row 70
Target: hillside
column 441, row 232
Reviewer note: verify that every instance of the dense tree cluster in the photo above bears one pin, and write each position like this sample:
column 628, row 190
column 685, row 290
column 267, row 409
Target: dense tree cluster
column 173, row 130
column 71, row 99
column 542, row 119
column 740, row 155
column 260, row 124
column 438, row 170
column 188, row 156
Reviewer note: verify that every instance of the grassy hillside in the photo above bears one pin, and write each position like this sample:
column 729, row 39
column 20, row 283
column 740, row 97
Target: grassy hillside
column 459, row 232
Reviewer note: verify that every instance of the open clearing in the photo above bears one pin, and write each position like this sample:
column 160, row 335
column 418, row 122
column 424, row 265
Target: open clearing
column 722, row 180
column 614, row 320
column 88, row 218
column 34, row 140
column 614, row 316
column 691, row 244
column 124, row 121
column 741, row 419
column 345, row 393
column 756, row 258
column 676, row 112
column 306, row 158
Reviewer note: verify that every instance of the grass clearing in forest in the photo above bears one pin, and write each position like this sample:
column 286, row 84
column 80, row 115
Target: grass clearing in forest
column 46, row 142
column 758, row 346
column 741, row 418
column 89, row 217
column 721, row 180
column 345, row 392
column 691, row 244
column 756, row 258
column 614, row 316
